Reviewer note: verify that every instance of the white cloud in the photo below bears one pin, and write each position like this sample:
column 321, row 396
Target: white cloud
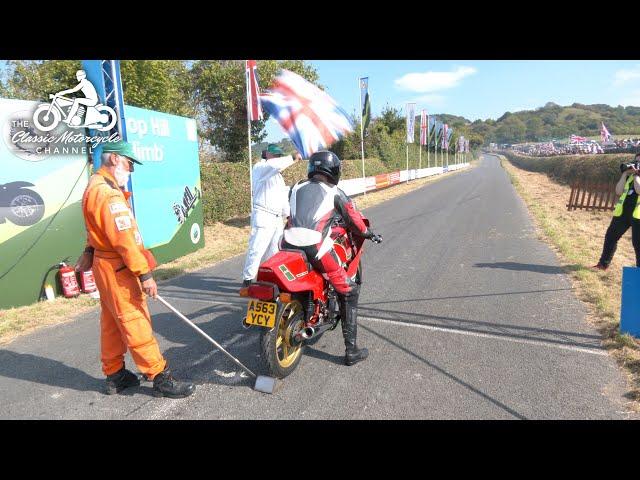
column 626, row 75
column 433, row 81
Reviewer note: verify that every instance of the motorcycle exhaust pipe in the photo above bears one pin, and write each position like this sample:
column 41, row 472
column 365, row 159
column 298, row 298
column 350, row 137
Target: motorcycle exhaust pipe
column 246, row 325
column 308, row 332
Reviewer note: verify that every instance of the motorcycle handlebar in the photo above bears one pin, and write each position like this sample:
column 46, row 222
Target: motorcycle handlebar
column 376, row 239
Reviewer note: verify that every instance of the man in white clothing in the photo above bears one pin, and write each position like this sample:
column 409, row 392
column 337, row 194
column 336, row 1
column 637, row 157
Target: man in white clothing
column 270, row 208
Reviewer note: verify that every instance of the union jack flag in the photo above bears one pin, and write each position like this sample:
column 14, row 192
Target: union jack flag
column 423, row 128
column 605, row 136
column 311, row 118
column 577, row 139
column 253, row 91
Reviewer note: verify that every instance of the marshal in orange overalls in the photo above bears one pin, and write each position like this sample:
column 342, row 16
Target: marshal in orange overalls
column 120, row 262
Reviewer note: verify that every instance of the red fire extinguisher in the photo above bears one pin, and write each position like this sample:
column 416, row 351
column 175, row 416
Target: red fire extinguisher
column 87, row 282
column 67, row 277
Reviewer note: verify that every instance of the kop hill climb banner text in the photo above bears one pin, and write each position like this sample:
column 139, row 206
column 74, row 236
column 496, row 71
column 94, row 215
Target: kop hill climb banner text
column 166, row 189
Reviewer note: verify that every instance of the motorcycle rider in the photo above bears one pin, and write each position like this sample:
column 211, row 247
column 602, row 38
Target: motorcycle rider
column 315, row 204
column 87, row 89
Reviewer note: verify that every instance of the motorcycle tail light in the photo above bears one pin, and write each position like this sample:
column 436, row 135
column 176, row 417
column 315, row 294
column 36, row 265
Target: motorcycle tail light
column 244, row 292
column 263, row 292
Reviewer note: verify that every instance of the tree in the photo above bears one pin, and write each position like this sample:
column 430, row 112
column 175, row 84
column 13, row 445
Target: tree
column 36, row 79
column 219, row 90
column 162, row 85
column 392, row 119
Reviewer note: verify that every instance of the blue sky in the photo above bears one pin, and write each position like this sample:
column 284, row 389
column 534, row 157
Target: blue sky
column 476, row 89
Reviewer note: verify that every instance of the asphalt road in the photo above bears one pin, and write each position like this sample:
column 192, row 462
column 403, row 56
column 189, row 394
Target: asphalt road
column 466, row 314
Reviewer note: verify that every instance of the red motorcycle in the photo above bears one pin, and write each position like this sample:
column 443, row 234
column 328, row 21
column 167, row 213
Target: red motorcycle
column 292, row 303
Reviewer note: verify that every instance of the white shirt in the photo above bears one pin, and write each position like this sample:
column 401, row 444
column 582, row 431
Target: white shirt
column 270, row 194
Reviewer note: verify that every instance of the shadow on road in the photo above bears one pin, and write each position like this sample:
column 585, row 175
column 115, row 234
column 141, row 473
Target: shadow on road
column 205, row 288
column 32, row 368
column 459, row 381
column 466, row 296
column 499, row 329
column 320, row 355
column 551, row 269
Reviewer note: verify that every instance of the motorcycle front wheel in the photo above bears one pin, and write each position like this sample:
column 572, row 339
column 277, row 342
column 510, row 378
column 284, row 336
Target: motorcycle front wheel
column 44, row 120
column 279, row 353
column 26, row 208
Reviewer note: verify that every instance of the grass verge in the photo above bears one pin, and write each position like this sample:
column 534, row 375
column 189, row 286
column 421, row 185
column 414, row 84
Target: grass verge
column 577, row 237
column 222, row 240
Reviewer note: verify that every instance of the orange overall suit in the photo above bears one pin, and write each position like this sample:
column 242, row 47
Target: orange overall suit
column 120, row 263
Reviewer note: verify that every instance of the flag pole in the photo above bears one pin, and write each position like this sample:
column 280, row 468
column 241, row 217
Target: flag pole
column 427, row 141
column 364, row 182
column 246, row 76
column 407, row 163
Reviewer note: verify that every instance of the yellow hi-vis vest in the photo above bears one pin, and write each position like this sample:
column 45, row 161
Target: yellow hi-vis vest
column 618, row 210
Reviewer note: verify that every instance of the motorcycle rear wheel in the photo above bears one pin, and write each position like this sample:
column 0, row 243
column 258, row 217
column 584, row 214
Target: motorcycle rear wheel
column 279, row 357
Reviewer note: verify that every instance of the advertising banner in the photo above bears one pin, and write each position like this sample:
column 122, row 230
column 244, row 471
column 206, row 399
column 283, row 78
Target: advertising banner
column 166, row 188
column 41, row 221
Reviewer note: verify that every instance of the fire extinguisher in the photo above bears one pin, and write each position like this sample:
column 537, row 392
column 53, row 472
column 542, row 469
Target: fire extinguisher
column 87, row 282
column 67, row 277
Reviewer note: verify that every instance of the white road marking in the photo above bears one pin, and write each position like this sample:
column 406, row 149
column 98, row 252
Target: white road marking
column 592, row 351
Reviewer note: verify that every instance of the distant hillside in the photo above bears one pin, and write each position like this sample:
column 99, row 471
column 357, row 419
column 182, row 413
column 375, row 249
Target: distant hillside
column 555, row 122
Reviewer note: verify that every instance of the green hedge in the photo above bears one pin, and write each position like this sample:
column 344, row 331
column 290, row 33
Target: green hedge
column 566, row 169
column 225, row 186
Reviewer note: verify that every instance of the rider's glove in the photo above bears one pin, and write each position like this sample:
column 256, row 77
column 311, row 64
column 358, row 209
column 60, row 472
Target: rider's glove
column 372, row 236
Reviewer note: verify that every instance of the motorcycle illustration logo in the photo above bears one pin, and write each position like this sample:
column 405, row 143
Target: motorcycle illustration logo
column 72, row 110
column 21, row 206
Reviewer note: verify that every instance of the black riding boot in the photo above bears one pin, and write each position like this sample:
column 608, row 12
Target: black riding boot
column 349, row 319
column 123, row 378
column 164, row 385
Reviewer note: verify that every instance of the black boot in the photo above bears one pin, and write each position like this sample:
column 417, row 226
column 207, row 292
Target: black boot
column 123, row 378
column 164, row 385
column 349, row 319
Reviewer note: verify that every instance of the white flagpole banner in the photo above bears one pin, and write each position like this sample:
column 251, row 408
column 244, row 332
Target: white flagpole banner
column 411, row 120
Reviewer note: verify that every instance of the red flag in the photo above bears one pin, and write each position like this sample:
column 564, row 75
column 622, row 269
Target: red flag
column 423, row 128
column 253, row 91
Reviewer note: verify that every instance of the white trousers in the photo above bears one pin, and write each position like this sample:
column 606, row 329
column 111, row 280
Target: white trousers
column 263, row 244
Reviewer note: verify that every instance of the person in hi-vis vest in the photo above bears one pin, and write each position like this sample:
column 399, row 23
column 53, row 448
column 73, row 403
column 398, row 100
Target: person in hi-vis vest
column 626, row 214
column 270, row 209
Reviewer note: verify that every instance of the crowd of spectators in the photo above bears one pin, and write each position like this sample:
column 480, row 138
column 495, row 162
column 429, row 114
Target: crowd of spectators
column 547, row 149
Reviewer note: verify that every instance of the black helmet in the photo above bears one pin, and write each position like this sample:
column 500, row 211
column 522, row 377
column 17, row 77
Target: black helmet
column 327, row 163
